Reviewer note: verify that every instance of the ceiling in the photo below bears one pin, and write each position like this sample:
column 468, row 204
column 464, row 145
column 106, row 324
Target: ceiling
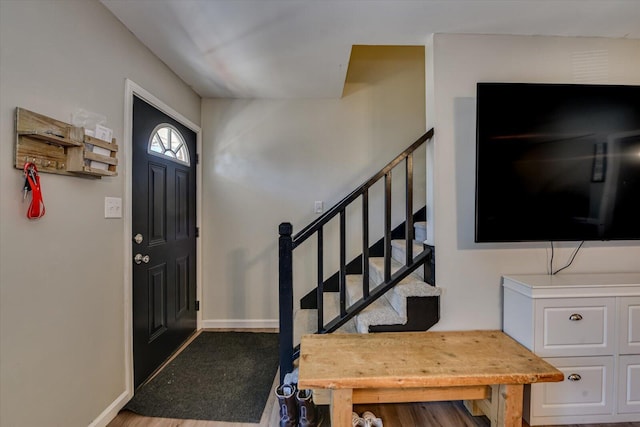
column 300, row 48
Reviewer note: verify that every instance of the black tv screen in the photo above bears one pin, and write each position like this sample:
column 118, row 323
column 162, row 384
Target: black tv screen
column 557, row 162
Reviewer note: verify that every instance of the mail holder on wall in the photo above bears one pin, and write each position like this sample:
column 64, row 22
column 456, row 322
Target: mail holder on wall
column 60, row 148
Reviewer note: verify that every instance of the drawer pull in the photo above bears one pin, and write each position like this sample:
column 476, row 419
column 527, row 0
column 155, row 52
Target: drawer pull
column 575, row 317
column 574, row 377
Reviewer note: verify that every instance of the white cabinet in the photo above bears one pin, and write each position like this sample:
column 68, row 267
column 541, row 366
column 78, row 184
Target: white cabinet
column 629, row 384
column 574, row 326
column 630, row 325
column 587, row 388
column 587, row 326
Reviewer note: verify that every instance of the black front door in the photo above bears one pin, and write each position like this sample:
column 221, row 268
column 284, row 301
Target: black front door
column 164, row 237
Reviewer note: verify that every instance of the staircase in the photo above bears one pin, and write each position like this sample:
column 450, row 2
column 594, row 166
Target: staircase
column 390, row 287
column 411, row 305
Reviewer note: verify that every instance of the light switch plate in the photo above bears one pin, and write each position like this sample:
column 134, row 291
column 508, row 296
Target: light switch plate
column 112, row 207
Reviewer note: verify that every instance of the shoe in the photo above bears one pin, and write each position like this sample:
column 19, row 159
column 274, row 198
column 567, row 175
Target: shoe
column 308, row 413
column 371, row 420
column 288, row 408
column 356, row 421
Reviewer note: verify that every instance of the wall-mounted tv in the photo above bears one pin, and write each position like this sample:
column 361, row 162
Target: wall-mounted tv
column 557, row 162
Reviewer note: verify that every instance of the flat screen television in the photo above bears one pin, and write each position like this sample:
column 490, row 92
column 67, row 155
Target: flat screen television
column 557, row 162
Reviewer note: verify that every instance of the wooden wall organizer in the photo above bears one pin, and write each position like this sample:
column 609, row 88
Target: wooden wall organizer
column 60, row 148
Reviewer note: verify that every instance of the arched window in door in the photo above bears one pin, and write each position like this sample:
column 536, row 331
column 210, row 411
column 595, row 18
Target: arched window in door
column 166, row 141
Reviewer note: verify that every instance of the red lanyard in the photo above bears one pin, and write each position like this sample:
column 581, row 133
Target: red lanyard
column 36, row 208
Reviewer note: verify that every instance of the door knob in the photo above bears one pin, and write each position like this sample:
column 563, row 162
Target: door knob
column 139, row 258
column 138, row 238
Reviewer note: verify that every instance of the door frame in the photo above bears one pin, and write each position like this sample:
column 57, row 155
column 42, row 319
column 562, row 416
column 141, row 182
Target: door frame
column 131, row 89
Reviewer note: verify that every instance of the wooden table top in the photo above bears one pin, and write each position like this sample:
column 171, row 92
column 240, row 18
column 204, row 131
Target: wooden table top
column 418, row 359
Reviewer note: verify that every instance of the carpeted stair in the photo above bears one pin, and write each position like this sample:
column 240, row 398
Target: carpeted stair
column 393, row 311
column 420, row 228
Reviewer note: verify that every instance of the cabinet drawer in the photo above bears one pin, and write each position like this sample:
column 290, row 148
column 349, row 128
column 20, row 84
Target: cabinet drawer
column 586, row 390
column 575, row 327
column 630, row 325
column 629, row 385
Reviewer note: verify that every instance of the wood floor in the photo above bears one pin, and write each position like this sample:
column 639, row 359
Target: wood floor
column 432, row 414
column 435, row 414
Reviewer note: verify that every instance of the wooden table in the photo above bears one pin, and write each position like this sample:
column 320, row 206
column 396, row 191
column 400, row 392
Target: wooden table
column 420, row 367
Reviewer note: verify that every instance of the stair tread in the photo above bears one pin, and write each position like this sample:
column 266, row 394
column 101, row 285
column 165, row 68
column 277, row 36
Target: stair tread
column 410, row 286
column 399, row 254
column 420, row 230
column 306, row 320
column 354, row 289
column 401, row 244
column 380, row 312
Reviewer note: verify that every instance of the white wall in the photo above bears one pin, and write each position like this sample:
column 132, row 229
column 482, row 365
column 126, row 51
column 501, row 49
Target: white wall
column 61, row 279
column 267, row 161
column 471, row 273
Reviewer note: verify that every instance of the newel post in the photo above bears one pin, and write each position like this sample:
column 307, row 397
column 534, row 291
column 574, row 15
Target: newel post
column 285, row 255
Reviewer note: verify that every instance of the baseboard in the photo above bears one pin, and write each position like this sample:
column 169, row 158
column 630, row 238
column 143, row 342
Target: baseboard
column 112, row 410
column 240, row 324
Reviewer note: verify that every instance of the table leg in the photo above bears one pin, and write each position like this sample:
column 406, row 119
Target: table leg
column 510, row 405
column 341, row 407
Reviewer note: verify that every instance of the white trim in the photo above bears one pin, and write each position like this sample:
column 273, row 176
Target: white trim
column 131, row 89
column 240, row 324
column 112, row 410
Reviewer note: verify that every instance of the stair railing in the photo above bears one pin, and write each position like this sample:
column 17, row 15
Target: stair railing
column 288, row 242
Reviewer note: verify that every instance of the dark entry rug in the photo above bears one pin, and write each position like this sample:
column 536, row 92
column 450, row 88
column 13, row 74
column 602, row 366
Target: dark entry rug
column 220, row 376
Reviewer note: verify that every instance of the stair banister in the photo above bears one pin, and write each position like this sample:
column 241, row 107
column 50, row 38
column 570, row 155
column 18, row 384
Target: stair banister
column 387, row 226
column 287, row 243
column 343, row 261
column 409, row 209
column 320, row 287
column 308, row 231
column 365, row 244
column 285, row 285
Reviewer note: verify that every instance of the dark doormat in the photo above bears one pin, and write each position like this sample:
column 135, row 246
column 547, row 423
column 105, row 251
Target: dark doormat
column 220, row 376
